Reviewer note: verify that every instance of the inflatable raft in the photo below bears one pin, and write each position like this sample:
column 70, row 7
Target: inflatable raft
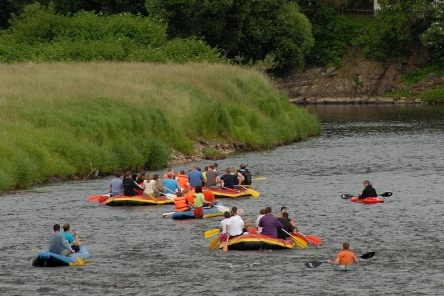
column 217, row 210
column 228, row 192
column 257, row 242
column 48, row 259
column 368, row 200
column 339, row 267
column 137, row 200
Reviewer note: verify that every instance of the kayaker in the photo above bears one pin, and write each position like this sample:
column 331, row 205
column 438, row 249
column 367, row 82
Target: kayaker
column 212, row 178
column 345, row 257
column 239, row 177
column 57, row 242
column 286, row 225
column 189, row 195
column 368, row 191
column 261, row 214
column 280, row 215
column 148, row 185
column 199, row 202
column 269, row 223
column 116, row 185
column 228, row 179
column 129, row 185
column 73, row 240
column 223, row 226
column 182, row 180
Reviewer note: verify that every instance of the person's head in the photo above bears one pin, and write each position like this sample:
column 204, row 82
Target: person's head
column 243, row 166
column 262, row 212
column 367, row 183
column 141, row 177
column 127, row 174
column 170, row 175
column 198, row 168
column 227, row 172
column 185, row 191
column 134, row 176
column 66, row 227
column 227, row 214
column 285, row 215
column 56, row 227
column 198, row 189
column 179, row 193
column 149, row 176
column 233, row 210
column 118, row 174
column 284, row 210
column 233, row 170
column 206, row 169
column 240, row 212
column 268, row 210
column 215, row 165
column 345, row 246
column 171, row 170
column 156, row 177
column 211, row 167
column 182, row 172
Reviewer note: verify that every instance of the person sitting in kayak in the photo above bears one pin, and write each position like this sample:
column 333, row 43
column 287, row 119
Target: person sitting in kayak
column 345, row 257
column 57, row 242
column 286, row 225
column 368, row 191
column 236, row 225
column 223, row 226
column 199, row 202
column 228, row 179
column 73, row 240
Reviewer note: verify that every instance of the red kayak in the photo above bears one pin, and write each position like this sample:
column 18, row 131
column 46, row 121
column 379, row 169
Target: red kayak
column 368, row 200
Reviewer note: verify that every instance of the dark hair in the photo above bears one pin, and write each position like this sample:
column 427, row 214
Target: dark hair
column 234, row 210
column 56, row 227
column 285, row 215
column 211, row 166
column 262, row 211
column 268, row 210
column 198, row 189
column 155, row 176
column 346, row 246
column 66, row 227
column 118, row 174
column 227, row 214
column 243, row 166
column 215, row 164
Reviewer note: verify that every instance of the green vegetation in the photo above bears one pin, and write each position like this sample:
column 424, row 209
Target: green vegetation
column 210, row 153
column 41, row 35
column 60, row 119
column 418, row 75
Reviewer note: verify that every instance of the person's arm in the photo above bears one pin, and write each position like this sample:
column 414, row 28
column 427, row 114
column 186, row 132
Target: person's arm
column 65, row 244
column 355, row 259
column 293, row 224
column 247, row 224
column 110, row 188
column 135, row 185
column 334, row 261
column 76, row 239
column 218, row 180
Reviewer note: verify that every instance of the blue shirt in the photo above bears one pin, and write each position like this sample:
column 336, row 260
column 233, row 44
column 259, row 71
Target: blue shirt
column 57, row 243
column 116, row 186
column 195, row 178
column 171, row 185
column 69, row 237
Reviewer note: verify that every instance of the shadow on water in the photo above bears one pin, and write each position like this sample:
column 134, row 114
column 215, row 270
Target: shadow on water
column 136, row 252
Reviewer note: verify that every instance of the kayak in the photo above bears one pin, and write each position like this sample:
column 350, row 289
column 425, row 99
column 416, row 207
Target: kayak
column 217, row 210
column 48, row 259
column 247, row 242
column 339, row 267
column 137, row 200
column 368, row 200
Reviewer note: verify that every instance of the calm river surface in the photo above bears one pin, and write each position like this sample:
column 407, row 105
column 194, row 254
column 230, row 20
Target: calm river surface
column 135, row 252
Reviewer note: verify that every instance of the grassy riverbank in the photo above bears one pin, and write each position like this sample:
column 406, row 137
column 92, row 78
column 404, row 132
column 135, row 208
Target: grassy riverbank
column 65, row 119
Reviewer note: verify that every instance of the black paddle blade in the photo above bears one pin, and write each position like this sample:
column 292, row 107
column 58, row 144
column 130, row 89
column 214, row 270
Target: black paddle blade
column 313, row 264
column 346, row 196
column 368, row 255
column 387, row 194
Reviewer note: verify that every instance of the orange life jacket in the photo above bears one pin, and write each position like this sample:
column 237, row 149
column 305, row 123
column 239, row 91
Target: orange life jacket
column 190, row 197
column 182, row 180
column 181, row 204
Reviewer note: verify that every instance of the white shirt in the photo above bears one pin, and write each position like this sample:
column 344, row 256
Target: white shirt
column 259, row 229
column 223, row 225
column 148, row 187
column 236, row 225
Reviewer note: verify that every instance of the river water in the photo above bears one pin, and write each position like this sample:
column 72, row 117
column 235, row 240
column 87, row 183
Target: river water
column 136, row 252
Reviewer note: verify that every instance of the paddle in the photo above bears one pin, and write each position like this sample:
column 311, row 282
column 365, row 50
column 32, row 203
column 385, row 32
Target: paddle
column 300, row 242
column 214, row 243
column 225, row 248
column 78, row 259
column 103, row 198
column 93, row 198
column 313, row 264
column 254, row 193
column 258, row 179
column 169, row 213
column 312, row 239
column 211, row 232
column 348, row 196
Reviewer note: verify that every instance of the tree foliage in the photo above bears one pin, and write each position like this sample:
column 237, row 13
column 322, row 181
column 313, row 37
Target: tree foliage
column 433, row 37
column 250, row 29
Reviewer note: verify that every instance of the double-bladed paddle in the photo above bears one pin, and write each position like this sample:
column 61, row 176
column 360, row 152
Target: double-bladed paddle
column 348, row 196
column 314, row 264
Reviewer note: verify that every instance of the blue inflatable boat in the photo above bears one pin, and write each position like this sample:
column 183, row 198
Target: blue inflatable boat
column 48, row 259
column 217, row 210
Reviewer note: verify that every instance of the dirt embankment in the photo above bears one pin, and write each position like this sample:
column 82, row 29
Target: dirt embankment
column 358, row 80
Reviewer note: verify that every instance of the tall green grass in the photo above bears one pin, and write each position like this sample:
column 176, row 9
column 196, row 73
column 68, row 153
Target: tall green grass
column 61, row 119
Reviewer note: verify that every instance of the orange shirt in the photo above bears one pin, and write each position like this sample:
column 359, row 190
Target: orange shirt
column 208, row 195
column 190, row 197
column 182, row 180
column 346, row 257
